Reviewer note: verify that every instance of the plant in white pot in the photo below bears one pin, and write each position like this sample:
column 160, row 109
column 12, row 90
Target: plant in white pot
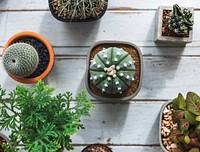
column 180, row 124
column 174, row 24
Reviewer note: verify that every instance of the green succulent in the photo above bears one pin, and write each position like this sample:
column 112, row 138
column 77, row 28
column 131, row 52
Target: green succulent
column 112, row 70
column 79, row 9
column 186, row 113
column 20, row 59
column 180, row 20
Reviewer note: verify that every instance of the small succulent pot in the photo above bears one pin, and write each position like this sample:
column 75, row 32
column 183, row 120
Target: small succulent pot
column 179, row 124
column 78, row 11
column 4, row 139
column 97, row 148
column 174, row 24
column 28, row 57
column 114, row 70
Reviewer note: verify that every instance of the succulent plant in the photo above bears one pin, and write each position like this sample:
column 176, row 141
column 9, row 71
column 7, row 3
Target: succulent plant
column 186, row 114
column 79, row 9
column 20, row 59
column 180, row 20
column 112, row 70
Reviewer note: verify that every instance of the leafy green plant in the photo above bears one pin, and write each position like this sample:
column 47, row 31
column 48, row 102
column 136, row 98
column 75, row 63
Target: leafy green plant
column 41, row 121
column 180, row 20
column 186, row 113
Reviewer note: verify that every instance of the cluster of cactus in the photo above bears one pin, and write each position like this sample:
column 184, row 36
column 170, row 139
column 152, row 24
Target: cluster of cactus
column 20, row 60
column 180, row 20
column 186, row 114
column 79, row 9
column 112, row 70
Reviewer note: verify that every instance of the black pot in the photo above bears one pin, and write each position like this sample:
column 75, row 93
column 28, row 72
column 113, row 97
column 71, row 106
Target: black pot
column 76, row 20
column 97, row 145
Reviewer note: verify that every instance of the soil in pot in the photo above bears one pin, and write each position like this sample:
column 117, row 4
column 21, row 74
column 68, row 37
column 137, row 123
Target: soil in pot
column 167, row 127
column 134, row 85
column 165, row 30
column 42, row 53
column 56, row 8
column 1, row 142
column 97, row 148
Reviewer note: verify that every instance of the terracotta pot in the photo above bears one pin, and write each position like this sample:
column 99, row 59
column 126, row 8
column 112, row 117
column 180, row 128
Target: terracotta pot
column 127, row 94
column 96, row 146
column 39, row 37
column 75, row 20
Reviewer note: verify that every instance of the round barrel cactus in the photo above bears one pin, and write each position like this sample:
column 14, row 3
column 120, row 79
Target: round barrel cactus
column 112, row 70
column 20, row 60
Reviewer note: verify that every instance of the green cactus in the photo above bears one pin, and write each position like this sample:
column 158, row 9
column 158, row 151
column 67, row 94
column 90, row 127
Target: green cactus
column 112, row 70
column 79, row 9
column 20, row 60
column 186, row 114
column 180, row 20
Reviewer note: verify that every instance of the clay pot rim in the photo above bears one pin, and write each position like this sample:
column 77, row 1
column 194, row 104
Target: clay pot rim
column 45, row 42
column 76, row 20
column 87, row 71
column 97, row 144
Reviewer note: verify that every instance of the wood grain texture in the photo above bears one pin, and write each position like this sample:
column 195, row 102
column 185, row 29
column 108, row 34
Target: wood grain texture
column 113, row 4
column 164, row 77
column 136, row 27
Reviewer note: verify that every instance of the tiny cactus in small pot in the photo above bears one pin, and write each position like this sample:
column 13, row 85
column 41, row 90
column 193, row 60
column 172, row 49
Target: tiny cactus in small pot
column 184, row 133
column 28, row 57
column 114, row 71
column 78, row 11
column 174, row 24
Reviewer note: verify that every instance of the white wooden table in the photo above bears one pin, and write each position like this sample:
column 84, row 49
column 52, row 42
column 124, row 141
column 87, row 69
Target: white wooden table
column 168, row 69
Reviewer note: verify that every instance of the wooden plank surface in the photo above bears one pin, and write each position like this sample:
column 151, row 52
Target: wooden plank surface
column 116, row 25
column 113, row 4
column 164, row 77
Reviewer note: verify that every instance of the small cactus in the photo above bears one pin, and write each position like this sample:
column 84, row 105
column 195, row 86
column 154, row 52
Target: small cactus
column 180, row 20
column 112, row 70
column 20, row 60
column 79, row 9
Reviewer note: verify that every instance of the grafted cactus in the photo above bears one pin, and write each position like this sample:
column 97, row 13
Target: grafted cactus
column 112, row 70
column 180, row 20
column 20, row 59
column 79, row 9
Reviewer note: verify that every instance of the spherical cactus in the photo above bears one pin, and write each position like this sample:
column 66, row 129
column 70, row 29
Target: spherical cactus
column 20, row 60
column 112, row 70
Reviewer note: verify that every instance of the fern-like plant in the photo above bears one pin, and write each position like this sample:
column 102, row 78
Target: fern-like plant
column 41, row 121
column 186, row 114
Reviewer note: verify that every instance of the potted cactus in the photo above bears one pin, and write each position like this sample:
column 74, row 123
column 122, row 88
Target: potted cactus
column 28, row 57
column 114, row 70
column 97, row 148
column 174, row 24
column 79, row 10
column 179, row 124
column 41, row 121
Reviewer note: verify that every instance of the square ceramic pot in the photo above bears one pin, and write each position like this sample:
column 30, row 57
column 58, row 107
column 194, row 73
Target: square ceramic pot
column 160, row 124
column 135, row 86
column 170, row 39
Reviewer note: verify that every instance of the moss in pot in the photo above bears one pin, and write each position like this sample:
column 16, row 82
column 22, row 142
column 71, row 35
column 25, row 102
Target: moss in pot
column 41, row 121
column 78, row 11
column 114, row 70
column 180, row 124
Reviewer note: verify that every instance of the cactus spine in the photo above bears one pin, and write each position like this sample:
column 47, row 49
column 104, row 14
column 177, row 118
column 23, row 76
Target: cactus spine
column 79, row 9
column 180, row 20
column 112, row 70
column 20, row 60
